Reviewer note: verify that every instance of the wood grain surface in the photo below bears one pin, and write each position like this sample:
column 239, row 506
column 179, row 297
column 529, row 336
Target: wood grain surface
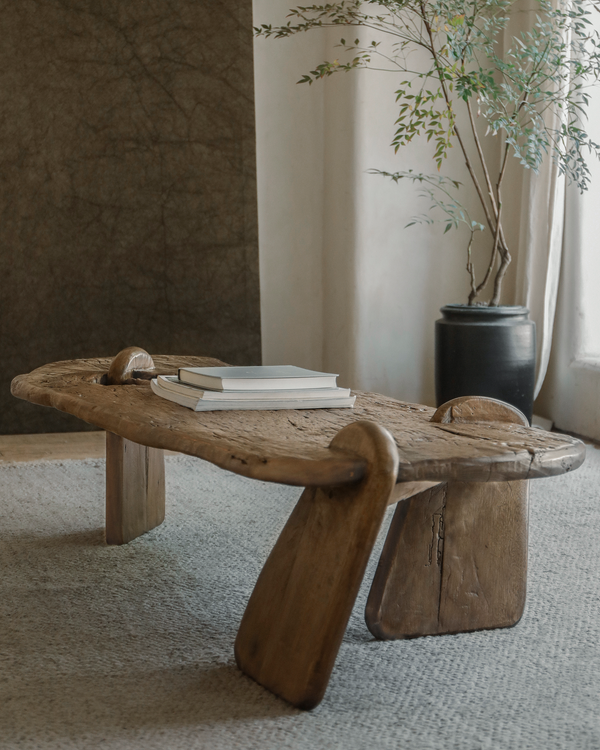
column 455, row 557
column 292, row 447
column 135, row 489
column 123, row 368
column 296, row 617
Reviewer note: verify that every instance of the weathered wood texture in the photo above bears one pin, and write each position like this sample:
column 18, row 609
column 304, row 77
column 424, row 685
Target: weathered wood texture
column 455, row 558
column 123, row 368
column 465, row 409
column 296, row 617
column 292, row 447
column 135, row 489
column 404, row 490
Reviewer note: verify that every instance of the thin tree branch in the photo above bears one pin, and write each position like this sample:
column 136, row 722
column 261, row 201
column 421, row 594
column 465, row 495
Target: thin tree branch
column 486, row 173
column 468, row 164
column 505, row 259
column 471, row 271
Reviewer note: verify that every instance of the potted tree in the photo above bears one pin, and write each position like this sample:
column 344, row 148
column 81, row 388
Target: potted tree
column 530, row 96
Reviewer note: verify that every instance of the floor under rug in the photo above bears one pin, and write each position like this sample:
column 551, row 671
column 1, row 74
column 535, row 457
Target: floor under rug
column 132, row 647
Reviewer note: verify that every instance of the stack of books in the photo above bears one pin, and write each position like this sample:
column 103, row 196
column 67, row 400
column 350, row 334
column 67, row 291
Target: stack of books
column 268, row 387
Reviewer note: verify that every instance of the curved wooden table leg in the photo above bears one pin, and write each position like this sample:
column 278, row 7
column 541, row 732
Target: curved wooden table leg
column 455, row 558
column 297, row 615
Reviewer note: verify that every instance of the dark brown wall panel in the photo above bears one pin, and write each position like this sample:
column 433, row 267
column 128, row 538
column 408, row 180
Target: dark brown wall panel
column 127, row 185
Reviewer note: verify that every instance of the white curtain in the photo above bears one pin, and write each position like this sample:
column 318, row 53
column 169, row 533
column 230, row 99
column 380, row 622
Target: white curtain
column 571, row 392
column 540, row 241
column 539, row 258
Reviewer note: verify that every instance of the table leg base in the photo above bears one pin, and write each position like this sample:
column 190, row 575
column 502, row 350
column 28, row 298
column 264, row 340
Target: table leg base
column 297, row 615
column 135, row 489
column 455, row 560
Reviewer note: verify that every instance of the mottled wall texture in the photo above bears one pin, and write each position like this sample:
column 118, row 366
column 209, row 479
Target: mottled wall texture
column 127, row 185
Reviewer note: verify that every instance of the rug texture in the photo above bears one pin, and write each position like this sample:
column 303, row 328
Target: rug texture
column 132, row 647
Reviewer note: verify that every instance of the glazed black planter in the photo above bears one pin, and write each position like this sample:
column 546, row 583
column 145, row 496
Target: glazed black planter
column 485, row 351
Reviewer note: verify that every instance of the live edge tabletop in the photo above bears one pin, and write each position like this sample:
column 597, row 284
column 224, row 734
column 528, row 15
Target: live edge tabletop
column 455, row 556
column 292, row 447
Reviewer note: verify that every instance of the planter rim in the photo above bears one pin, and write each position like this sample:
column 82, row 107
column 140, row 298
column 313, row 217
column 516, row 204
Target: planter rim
column 503, row 311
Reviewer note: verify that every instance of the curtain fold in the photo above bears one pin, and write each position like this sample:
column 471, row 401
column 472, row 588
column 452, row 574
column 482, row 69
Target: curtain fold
column 541, row 240
column 539, row 258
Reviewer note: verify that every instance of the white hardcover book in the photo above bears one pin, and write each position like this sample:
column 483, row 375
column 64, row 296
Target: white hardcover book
column 198, row 404
column 173, row 384
column 259, row 378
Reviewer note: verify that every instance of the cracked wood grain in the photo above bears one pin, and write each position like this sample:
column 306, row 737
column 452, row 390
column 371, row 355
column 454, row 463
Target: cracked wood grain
column 455, row 558
column 404, row 599
column 292, row 447
column 484, row 574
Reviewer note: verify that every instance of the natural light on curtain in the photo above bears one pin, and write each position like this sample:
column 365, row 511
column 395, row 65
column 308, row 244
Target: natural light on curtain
column 542, row 243
column 586, row 213
column 571, row 392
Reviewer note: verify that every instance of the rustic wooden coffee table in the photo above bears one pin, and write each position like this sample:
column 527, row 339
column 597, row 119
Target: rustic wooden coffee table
column 455, row 557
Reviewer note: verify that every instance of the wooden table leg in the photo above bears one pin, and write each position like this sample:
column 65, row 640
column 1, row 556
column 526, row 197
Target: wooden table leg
column 455, row 558
column 135, row 489
column 297, row 615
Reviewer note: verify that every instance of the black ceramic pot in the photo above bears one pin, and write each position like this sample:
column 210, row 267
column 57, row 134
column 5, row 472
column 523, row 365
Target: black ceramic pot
column 485, row 351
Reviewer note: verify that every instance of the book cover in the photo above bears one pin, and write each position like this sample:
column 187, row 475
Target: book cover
column 259, row 378
column 172, row 383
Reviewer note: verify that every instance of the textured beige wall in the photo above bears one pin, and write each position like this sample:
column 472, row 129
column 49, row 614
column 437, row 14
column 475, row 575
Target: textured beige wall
column 127, row 185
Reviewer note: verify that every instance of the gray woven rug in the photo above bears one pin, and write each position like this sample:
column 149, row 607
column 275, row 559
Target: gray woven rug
column 132, row 647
